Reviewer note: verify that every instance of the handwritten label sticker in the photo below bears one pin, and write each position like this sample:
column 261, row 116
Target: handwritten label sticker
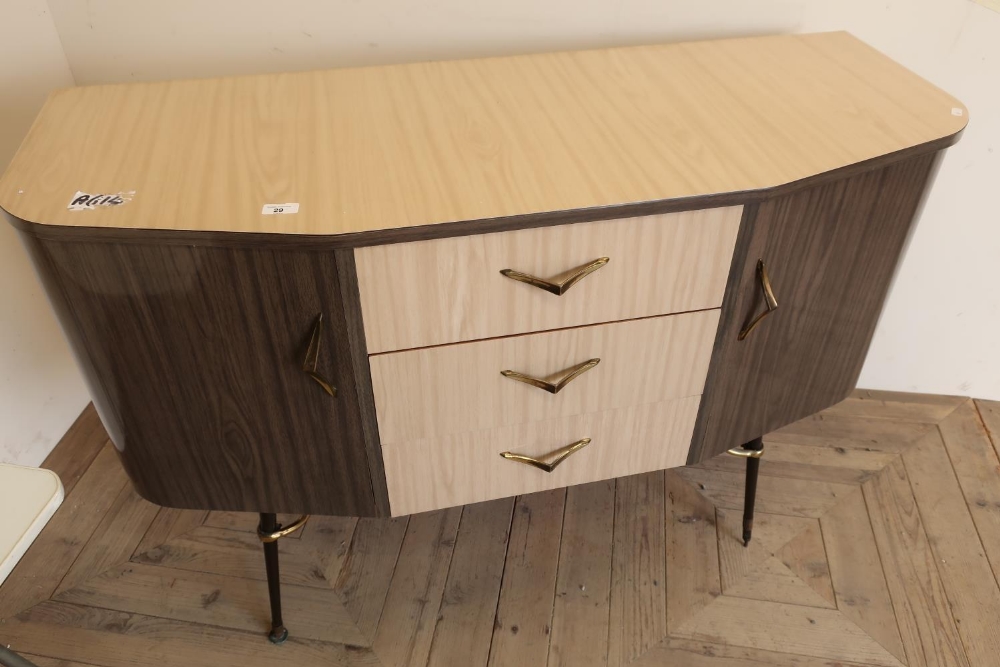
column 280, row 209
column 955, row 111
column 86, row 201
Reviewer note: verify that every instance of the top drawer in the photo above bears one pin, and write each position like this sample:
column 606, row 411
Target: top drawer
column 449, row 290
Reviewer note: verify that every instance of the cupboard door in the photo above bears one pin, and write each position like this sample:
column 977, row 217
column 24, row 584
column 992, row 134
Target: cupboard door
column 830, row 253
column 197, row 359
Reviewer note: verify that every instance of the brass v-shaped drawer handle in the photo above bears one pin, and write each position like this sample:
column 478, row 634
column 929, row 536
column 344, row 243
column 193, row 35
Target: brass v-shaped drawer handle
column 311, row 359
column 570, row 375
column 549, row 461
column 769, row 301
column 561, row 287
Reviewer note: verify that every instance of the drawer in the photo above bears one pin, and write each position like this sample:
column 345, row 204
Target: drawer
column 438, row 391
column 444, row 291
column 467, row 468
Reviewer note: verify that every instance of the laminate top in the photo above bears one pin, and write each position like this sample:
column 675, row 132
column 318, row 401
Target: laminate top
column 390, row 147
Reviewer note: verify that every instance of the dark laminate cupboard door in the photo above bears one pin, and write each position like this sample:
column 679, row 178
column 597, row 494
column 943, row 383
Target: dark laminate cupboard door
column 194, row 358
column 830, row 252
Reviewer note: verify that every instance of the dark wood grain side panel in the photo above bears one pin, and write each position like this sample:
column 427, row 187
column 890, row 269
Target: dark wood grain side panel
column 355, row 332
column 193, row 356
column 831, row 252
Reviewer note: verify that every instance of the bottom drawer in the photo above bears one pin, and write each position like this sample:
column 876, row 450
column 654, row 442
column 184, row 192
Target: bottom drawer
column 467, row 467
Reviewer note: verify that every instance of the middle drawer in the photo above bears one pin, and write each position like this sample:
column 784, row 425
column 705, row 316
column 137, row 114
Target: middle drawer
column 459, row 388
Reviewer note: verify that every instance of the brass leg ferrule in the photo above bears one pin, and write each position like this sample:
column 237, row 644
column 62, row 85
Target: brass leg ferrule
column 276, row 535
column 745, row 453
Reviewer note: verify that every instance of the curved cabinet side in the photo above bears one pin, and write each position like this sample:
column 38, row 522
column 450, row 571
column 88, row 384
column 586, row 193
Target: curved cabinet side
column 194, row 360
column 831, row 253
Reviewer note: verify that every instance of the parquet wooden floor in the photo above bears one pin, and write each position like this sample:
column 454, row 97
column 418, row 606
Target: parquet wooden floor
column 877, row 543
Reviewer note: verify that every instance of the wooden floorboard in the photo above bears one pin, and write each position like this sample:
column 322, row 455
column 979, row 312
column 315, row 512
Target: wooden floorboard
column 973, row 450
column 364, row 577
column 76, row 450
column 877, row 542
column 694, row 577
column 469, row 604
column 857, row 574
column 114, row 540
column 638, row 603
column 583, row 582
column 406, row 628
column 523, row 625
column 926, row 625
column 968, row 579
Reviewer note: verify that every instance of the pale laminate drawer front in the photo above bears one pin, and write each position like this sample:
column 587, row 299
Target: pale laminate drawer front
column 467, row 468
column 458, row 388
column 448, row 290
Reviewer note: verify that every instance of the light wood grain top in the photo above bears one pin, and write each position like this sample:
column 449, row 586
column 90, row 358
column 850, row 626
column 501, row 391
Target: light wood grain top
column 383, row 148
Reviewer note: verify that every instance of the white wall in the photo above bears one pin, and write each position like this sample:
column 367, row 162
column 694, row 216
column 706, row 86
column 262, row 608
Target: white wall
column 41, row 392
column 938, row 330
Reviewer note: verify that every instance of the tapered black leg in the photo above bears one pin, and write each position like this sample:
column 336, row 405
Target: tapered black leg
column 269, row 525
column 750, row 498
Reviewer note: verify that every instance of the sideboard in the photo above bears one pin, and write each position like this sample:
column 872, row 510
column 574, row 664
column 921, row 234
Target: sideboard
column 386, row 290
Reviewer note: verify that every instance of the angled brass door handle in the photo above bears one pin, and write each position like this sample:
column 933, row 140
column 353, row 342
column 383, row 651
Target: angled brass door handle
column 570, row 375
column 769, row 301
column 549, row 461
column 557, row 288
column 311, row 360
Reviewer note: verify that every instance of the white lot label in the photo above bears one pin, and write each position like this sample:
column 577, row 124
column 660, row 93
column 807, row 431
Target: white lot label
column 88, row 201
column 280, row 209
